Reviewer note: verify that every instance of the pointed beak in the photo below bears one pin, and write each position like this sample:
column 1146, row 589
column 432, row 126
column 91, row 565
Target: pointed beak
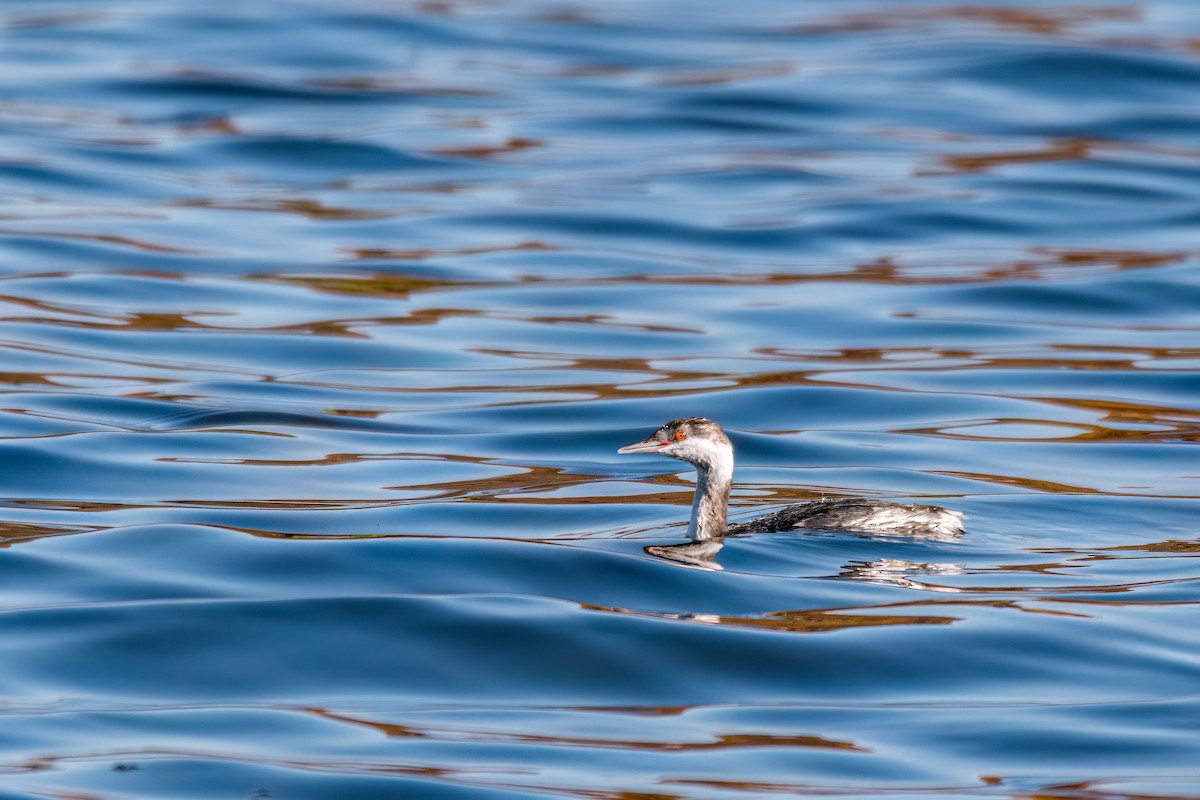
column 644, row 446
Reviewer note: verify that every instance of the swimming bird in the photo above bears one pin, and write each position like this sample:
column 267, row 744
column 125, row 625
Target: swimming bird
column 703, row 444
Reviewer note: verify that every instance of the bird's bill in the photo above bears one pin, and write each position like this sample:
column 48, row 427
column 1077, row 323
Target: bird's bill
column 644, row 446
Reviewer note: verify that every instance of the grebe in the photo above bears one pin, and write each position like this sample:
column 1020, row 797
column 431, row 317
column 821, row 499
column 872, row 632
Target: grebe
column 703, row 444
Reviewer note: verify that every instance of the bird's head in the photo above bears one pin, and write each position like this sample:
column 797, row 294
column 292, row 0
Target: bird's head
column 695, row 440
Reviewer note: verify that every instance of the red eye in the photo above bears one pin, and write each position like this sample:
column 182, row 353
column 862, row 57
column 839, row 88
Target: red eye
column 680, row 436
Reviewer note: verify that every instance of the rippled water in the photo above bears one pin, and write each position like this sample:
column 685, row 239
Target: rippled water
column 320, row 325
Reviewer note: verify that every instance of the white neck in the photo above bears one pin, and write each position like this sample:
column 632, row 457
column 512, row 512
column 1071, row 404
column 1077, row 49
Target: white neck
column 710, row 506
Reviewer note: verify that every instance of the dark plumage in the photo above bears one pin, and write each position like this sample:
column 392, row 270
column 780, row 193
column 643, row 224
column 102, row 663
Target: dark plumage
column 856, row 515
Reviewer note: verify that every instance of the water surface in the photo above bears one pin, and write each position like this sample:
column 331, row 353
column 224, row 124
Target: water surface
column 320, row 326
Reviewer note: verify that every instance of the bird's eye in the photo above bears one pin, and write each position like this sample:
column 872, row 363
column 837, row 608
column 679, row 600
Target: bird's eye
column 680, row 436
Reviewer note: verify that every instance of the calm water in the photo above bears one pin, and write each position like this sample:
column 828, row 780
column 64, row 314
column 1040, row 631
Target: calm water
column 320, row 324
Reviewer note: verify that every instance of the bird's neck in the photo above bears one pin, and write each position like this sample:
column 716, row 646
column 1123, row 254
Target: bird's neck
column 710, row 507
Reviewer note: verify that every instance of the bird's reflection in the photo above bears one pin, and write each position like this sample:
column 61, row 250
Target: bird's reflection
column 698, row 555
column 898, row 572
column 889, row 571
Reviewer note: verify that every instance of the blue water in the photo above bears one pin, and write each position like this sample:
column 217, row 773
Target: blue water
column 320, row 325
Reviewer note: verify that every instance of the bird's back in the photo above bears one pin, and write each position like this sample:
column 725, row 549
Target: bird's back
column 868, row 516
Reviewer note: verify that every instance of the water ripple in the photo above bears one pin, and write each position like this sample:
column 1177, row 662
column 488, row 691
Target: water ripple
column 320, row 326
